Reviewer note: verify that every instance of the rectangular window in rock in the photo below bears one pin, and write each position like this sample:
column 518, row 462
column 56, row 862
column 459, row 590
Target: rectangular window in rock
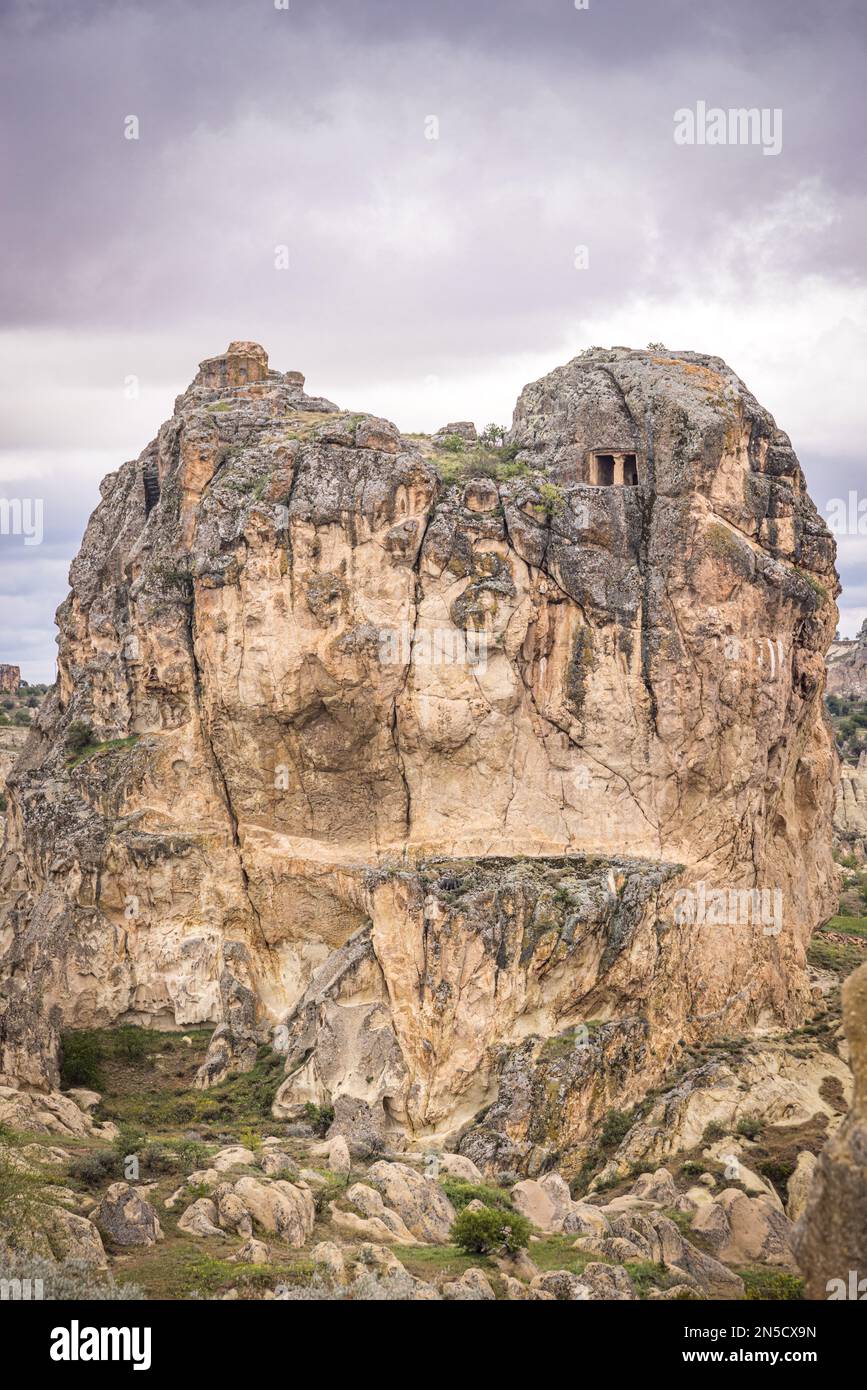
column 614, row 470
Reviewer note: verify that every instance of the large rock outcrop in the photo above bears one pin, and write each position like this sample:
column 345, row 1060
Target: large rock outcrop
column 422, row 771
column 831, row 1236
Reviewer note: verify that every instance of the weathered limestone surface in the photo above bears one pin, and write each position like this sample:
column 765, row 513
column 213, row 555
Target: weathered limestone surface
column 413, row 770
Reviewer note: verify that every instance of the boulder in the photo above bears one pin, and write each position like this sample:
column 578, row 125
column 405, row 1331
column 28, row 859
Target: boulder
column 563, row 1285
column 328, row 1258
column 235, row 1156
column 63, row 1235
column 658, row 1187
column 755, row 1230
column 472, row 1287
column 457, row 1166
column 517, row 1292
column 281, row 1208
column 546, row 1202
column 252, row 1252
column 84, row 1099
column 607, row 1281
column 370, row 1204
column 662, row 1242
column 339, row 1160
column 233, row 1213
column 200, row 1219
column 586, row 1220
column 275, row 1162
column 799, row 1184
column 420, row 1202
column 127, row 1218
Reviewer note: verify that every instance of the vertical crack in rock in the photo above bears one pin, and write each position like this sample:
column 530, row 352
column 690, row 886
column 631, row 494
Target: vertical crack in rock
column 219, row 773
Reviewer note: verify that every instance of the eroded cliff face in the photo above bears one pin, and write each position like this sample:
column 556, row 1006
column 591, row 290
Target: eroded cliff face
column 422, row 772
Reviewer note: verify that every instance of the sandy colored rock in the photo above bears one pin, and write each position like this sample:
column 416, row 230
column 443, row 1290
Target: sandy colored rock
column 234, row 1156
column 457, row 1166
column 252, row 1252
column 472, row 1287
column 64, row 1235
column 830, row 1239
column 280, row 1208
column 200, row 1219
column 339, row 1160
column 799, row 1184
column 420, row 1202
column 328, row 1258
column 564, row 1286
column 752, row 1230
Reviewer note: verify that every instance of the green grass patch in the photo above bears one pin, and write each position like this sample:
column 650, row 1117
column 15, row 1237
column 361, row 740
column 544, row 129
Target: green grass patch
column 92, row 750
column 460, row 1194
column 771, row 1284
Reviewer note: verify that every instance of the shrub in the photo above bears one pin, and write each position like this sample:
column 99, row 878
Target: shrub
column 131, row 1044
column 490, row 1230
column 452, row 444
column 159, row 1158
column 321, row 1117
column 79, row 1060
column 771, row 1284
column 750, row 1126
column 615, row 1127
column 94, row 1167
column 552, row 498
column 460, row 1194
column 69, row 1280
column 330, row 1191
column 78, row 736
column 713, row 1131
column 191, row 1154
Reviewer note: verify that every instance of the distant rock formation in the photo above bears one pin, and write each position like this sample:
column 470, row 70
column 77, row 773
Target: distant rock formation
column 413, row 769
column 850, row 812
column 847, row 665
column 10, row 679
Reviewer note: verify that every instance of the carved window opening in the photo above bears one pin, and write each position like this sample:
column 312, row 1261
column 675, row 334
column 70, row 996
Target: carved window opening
column 614, row 470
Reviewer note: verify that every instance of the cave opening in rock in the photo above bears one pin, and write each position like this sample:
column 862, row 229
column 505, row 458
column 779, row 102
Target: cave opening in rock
column 604, row 470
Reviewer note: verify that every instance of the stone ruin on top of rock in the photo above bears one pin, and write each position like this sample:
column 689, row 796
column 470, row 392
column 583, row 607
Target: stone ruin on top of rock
column 445, row 888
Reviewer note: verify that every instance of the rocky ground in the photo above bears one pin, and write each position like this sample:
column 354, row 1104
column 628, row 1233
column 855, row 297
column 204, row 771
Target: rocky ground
column 151, row 1186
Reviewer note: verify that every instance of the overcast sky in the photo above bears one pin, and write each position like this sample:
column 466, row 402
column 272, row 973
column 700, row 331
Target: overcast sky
column 428, row 278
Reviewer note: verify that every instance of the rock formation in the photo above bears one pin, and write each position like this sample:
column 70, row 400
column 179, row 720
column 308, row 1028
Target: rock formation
column 847, row 665
column 414, row 772
column 10, row 679
column 831, row 1237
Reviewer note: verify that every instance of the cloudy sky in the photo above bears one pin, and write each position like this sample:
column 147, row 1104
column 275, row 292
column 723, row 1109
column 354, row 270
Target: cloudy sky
column 428, row 278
